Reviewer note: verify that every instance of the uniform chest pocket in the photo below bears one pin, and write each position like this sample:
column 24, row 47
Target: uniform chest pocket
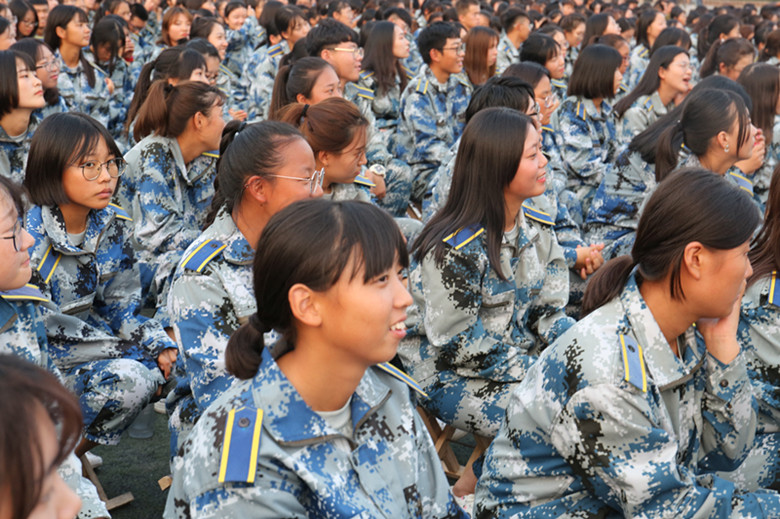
column 79, row 305
column 497, row 309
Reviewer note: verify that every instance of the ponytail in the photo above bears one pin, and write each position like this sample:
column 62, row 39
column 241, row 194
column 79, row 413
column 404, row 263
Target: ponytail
column 244, row 352
column 668, row 150
column 607, row 283
column 279, row 97
column 167, row 109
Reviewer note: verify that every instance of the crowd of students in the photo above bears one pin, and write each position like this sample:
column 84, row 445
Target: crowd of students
column 553, row 225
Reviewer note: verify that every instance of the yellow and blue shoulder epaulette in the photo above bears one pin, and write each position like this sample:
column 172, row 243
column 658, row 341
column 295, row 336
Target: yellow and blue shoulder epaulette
column 275, row 50
column 238, row 461
column 557, row 83
column 366, row 74
column 773, row 299
column 202, row 254
column 28, row 292
column 581, row 113
column 462, row 237
column 403, row 377
column 547, row 128
column 422, row 86
column 623, row 87
column 51, row 258
column 120, row 212
column 742, row 182
column 536, row 214
column 407, row 71
column 363, row 181
column 643, row 52
column 649, row 104
column 365, row 92
column 213, row 154
column 633, row 362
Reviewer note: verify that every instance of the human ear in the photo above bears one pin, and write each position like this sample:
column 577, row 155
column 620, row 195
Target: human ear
column 301, row 99
column 436, row 55
column 257, row 188
column 694, row 257
column 323, row 157
column 303, row 305
column 60, row 31
column 722, row 138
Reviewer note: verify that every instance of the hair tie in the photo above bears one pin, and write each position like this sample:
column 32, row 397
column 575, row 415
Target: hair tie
column 168, row 88
column 240, row 127
column 305, row 109
column 258, row 325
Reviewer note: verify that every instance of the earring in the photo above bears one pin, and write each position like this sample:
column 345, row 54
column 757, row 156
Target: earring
column 726, row 149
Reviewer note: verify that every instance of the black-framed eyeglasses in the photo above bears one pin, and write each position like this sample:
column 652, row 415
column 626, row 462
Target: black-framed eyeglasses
column 315, row 180
column 16, row 235
column 114, row 167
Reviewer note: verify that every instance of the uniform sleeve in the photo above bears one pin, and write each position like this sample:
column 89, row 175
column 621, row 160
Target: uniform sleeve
column 608, row 437
column 582, row 159
column 199, row 309
column 634, row 122
column 422, row 120
column 453, row 301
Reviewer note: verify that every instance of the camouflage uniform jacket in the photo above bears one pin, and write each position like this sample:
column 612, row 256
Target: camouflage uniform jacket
column 645, row 111
column 13, row 154
column 508, row 54
column 97, row 288
column 390, row 468
column 94, row 100
column 611, row 423
column 468, row 320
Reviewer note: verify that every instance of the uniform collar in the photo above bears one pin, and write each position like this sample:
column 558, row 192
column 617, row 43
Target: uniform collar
column 53, row 225
column 190, row 172
column 32, row 125
column 238, row 250
column 663, row 366
column 288, row 419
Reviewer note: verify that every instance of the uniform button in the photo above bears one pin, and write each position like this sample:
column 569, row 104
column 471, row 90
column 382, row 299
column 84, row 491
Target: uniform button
column 243, row 422
column 724, row 383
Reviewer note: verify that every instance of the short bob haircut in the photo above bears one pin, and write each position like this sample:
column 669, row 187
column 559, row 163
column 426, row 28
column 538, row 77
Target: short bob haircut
column 9, row 82
column 60, row 141
column 352, row 238
column 539, row 48
column 594, row 72
column 26, row 389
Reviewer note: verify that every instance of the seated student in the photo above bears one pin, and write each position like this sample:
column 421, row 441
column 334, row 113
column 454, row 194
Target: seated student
column 762, row 83
column 47, row 69
column 586, row 124
column 7, row 34
column 169, row 182
column 489, row 279
column 517, row 28
column 628, row 414
column 309, row 80
column 23, row 333
column 433, row 105
column 211, row 293
column 573, row 27
column 728, row 58
column 479, row 63
column 666, row 80
column 18, row 100
column 85, row 87
column 336, row 432
column 710, row 129
column 112, row 357
column 41, row 425
column 649, row 26
column 758, row 337
column 544, row 50
column 174, row 30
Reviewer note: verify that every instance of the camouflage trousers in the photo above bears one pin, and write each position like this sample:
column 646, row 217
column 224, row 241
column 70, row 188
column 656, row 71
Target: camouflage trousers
column 399, row 188
column 111, row 394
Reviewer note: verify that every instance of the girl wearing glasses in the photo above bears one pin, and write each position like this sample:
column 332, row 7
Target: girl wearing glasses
column 47, row 68
column 211, row 292
column 111, row 356
column 27, row 18
column 21, row 93
column 339, row 435
column 170, row 178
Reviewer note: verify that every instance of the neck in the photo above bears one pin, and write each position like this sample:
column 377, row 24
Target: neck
column 326, row 182
column 512, row 206
column 75, row 217
column 597, row 103
column 343, row 84
column 440, row 75
column 250, row 218
column 670, row 314
column 191, row 147
column 717, row 162
column 324, row 379
column 16, row 122
column 514, row 37
column 666, row 93
column 650, row 41
column 70, row 54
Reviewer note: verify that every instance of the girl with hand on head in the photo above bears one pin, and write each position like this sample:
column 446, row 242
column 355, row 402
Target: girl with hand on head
column 338, row 433
column 488, row 278
column 211, row 295
column 336, row 132
column 111, row 356
column 592, row 417
column 85, row 87
column 169, row 182
column 21, row 93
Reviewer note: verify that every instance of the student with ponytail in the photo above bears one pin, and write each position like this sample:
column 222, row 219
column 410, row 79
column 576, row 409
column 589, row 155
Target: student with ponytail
column 631, row 411
column 336, row 433
column 649, row 26
column 336, row 132
column 169, row 182
column 308, row 80
column 728, row 58
column 211, row 292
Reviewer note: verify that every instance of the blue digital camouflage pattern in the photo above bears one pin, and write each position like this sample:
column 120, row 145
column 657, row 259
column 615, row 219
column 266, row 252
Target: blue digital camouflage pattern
column 13, row 154
column 637, row 63
column 93, row 100
column 508, row 54
column 645, row 111
column 305, row 468
column 471, row 335
column 610, row 423
column 258, row 76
